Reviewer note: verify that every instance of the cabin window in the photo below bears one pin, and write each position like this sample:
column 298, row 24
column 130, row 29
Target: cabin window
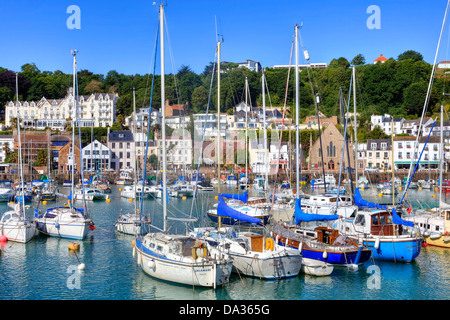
column 332, row 199
column 437, row 228
column 152, row 245
column 159, row 248
column 360, row 221
column 375, row 220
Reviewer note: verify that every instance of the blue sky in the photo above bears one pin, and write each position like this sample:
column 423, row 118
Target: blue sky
column 121, row 35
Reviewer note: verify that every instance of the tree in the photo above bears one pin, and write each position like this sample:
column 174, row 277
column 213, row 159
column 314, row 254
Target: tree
column 94, row 86
column 410, row 54
column 358, row 60
column 153, row 160
column 340, row 62
column 41, row 158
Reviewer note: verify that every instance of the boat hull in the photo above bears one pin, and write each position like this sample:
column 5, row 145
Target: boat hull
column 202, row 274
column 273, row 266
column 19, row 232
column 443, row 241
column 397, row 250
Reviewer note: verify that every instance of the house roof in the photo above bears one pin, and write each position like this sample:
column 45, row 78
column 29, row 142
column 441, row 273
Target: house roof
column 381, row 58
column 121, row 135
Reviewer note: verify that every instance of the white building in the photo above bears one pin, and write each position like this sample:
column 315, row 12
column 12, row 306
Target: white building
column 206, row 124
column 279, row 157
column 405, row 152
column 385, row 123
column 178, row 150
column 121, row 144
column 96, row 156
column 97, row 109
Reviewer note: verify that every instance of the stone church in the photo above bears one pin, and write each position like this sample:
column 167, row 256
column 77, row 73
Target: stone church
column 332, row 141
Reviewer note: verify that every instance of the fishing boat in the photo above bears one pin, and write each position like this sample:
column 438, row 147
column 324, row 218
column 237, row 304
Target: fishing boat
column 48, row 192
column 231, row 180
column 253, row 254
column 322, row 248
column 362, row 183
column 181, row 259
column 14, row 224
column 321, row 243
column 67, row 221
column 23, row 194
column 381, row 230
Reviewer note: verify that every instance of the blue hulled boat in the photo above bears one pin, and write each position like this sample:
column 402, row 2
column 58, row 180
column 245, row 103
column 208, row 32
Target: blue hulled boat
column 381, row 230
column 320, row 243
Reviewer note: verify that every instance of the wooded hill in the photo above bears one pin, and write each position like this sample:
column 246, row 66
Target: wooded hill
column 397, row 87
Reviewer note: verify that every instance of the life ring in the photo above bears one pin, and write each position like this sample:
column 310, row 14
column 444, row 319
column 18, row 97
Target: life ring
column 203, row 251
column 270, row 245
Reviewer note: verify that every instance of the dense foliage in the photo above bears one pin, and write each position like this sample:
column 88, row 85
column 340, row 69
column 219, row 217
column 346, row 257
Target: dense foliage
column 397, row 87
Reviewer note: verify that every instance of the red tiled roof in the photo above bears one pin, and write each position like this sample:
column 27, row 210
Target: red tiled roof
column 381, row 58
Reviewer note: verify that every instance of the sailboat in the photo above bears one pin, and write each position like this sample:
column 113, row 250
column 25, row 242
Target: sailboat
column 14, row 224
column 47, row 191
column 68, row 221
column 133, row 222
column 181, row 259
column 321, row 247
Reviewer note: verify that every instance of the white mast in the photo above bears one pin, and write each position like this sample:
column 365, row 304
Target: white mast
column 20, row 148
column 263, row 80
column 163, row 129
column 441, row 157
column 355, row 143
column 74, row 115
column 246, row 128
column 297, row 115
column 218, row 117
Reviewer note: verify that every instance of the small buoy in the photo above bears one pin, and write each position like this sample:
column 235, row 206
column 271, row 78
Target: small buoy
column 420, row 188
column 362, row 188
column 216, row 197
column 3, row 238
column 81, row 266
column 380, row 194
column 108, row 200
column 74, row 246
column 44, row 202
column 130, row 200
column 406, row 194
column 120, row 189
column 400, row 188
column 434, row 196
column 184, row 198
column 92, row 227
column 436, row 189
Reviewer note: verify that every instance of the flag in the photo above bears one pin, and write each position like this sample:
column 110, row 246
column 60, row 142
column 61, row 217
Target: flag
column 409, row 209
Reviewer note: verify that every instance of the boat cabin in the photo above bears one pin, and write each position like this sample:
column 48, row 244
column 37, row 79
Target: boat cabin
column 328, row 199
column 377, row 222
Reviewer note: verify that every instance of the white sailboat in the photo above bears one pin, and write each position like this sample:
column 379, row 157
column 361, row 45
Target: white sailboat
column 133, row 222
column 181, row 259
column 68, row 221
column 14, row 224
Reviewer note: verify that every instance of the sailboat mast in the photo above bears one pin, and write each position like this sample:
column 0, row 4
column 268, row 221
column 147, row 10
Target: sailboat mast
column 74, row 53
column 355, row 143
column 246, row 128
column 218, row 117
column 441, row 156
column 263, row 80
column 297, row 106
column 163, row 125
column 20, row 147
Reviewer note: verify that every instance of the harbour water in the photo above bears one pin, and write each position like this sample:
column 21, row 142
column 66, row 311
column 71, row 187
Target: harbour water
column 44, row 268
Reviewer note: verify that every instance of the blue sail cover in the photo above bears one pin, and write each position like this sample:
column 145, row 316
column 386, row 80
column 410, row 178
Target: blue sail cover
column 359, row 201
column 302, row 216
column 242, row 197
column 225, row 211
column 397, row 220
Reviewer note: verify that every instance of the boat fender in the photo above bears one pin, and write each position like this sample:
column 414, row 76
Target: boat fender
column 300, row 246
column 325, row 255
column 151, row 264
column 269, row 244
column 377, row 243
column 139, row 259
column 57, row 225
